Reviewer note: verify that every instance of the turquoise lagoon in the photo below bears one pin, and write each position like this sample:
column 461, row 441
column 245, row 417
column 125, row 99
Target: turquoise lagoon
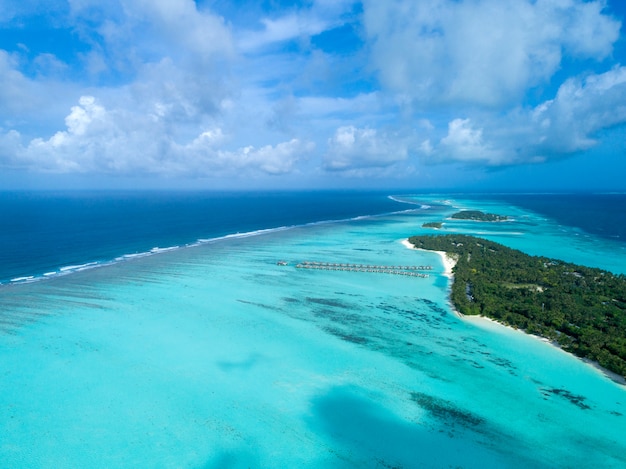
column 214, row 356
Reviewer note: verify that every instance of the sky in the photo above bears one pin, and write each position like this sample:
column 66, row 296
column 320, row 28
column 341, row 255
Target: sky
column 506, row 95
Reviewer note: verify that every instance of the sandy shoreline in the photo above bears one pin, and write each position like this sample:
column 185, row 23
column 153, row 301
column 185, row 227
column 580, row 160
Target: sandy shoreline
column 449, row 264
column 609, row 374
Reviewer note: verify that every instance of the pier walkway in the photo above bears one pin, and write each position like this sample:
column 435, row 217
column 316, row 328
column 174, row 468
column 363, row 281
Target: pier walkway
column 408, row 270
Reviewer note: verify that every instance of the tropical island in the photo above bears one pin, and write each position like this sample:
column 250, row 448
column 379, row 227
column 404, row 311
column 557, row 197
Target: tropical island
column 581, row 309
column 432, row 224
column 477, row 215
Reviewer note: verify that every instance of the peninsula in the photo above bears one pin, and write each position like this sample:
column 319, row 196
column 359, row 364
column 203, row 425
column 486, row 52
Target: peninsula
column 582, row 309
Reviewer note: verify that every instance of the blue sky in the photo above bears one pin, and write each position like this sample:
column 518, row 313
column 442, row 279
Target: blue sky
column 216, row 94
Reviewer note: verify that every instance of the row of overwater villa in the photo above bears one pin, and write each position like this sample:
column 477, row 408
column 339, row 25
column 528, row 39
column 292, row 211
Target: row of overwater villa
column 408, row 270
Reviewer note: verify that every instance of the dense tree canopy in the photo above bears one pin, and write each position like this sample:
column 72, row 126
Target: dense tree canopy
column 581, row 308
column 477, row 215
column 432, row 224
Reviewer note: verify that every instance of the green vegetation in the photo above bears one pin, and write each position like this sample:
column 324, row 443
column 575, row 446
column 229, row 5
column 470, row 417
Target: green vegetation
column 582, row 309
column 432, row 224
column 477, row 215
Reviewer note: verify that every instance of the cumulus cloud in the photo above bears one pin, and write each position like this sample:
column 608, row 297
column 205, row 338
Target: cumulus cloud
column 353, row 148
column 102, row 141
column 167, row 88
column 175, row 94
column 182, row 26
column 465, row 143
column 482, row 52
column 554, row 129
column 582, row 107
column 269, row 159
column 153, row 52
column 277, row 159
column 168, row 114
column 157, row 27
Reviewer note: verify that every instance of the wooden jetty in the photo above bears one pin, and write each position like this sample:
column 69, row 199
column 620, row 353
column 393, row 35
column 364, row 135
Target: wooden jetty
column 407, row 270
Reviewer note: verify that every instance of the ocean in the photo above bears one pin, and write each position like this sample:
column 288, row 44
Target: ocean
column 55, row 233
column 176, row 330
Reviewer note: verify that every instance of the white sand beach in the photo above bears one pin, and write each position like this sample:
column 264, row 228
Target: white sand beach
column 448, row 262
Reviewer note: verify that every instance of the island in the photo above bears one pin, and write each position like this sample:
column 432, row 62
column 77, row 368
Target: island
column 477, row 215
column 432, row 224
column 581, row 309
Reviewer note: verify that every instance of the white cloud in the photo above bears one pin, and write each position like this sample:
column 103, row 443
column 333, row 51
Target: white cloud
column 102, row 141
column 181, row 95
column 556, row 128
column 13, row 84
column 174, row 98
column 129, row 34
column 83, row 115
column 285, row 28
column 484, row 52
column 209, row 159
column 357, row 148
column 26, row 101
column 183, row 26
column 176, row 113
column 586, row 32
column 278, row 159
column 155, row 51
column 581, row 108
column 465, row 143
column 301, row 24
column 49, row 65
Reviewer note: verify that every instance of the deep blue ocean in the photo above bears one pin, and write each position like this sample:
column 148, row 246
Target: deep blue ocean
column 49, row 233
column 44, row 233
column 603, row 215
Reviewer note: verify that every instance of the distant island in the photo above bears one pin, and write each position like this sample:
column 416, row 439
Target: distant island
column 477, row 215
column 581, row 309
column 432, row 224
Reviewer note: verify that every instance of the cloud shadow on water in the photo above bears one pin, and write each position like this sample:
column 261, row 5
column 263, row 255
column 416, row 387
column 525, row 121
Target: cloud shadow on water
column 372, row 435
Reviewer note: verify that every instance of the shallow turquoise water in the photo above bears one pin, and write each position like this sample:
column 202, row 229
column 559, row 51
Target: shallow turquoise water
column 214, row 356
